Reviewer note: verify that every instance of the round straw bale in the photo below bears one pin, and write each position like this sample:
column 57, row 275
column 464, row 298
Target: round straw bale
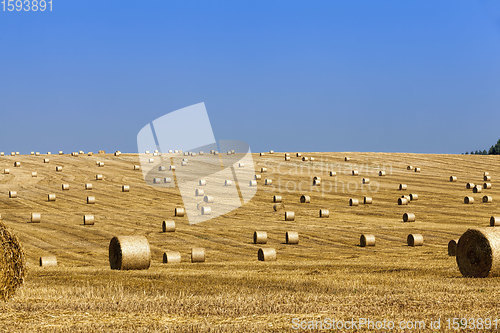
column 51, row 197
column 199, row 192
column 408, row 217
column 452, row 247
column 487, row 199
column 202, row 182
column 137, row 167
column 88, row 186
column 355, row 172
column 36, row 217
column 305, row 199
column 287, row 158
column 367, row 200
column 353, row 202
column 258, row 177
column 298, row 154
column 487, row 178
column 2, row 153
column 260, row 237
column 12, row 263
column 305, row 158
column 407, row 197
column 312, row 158
column 478, row 252
column 477, row 189
column 171, row 257
column 17, row 164
column 12, row 194
column 287, row 154
column 453, row 178
column 13, row 153
column 168, row 226
column 32, row 153
column 253, row 183
column 469, row 185
column 277, row 198
column 403, row 187
column 347, row 158
column 409, row 167
column 402, row 201
column 262, row 154
column 59, row 168
column 366, row 180
column 381, row 173
column 48, row 261
column 91, row 200
column 60, row 152
column 271, row 152
column 367, row 240
column 333, row 173
column 268, row 181
column 415, row 240
column 101, row 164
column 205, row 210
column 197, row 254
column 125, row 188
column 88, row 219
column 324, row 213
column 316, row 182
column 65, row 187
column 98, row 177
column 228, row 182
column 118, row 153
column 266, row 254
column 487, row 186
column 278, row 206
column 495, row 221
column 263, row 170
column 34, row 174
column 292, row 237
column 151, row 160
column 46, row 160
column 208, row 198
column 417, row 169
column 162, row 168
column 289, row 216
column 6, row 171
column 129, row 252
column 179, row 211
column 167, row 180
column 468, row 200
column 413, row 197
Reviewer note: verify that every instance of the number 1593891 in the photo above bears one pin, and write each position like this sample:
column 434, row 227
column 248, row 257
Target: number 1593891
column 26, row 5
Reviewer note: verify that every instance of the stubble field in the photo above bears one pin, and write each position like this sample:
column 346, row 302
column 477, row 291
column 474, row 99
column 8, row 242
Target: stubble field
column 327, row 275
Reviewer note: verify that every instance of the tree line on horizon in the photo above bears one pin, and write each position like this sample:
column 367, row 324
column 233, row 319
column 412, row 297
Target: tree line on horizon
column 494, row 150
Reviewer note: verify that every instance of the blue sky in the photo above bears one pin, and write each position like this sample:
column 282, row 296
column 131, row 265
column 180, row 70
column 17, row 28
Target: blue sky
column 393, row 76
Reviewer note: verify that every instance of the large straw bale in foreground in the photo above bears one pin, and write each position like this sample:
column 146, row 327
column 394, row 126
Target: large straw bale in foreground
column 129, row 252
column 478, row 252
column 12, row 263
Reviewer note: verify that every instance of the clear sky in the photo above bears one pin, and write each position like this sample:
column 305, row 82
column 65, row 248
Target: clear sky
column 393, row 76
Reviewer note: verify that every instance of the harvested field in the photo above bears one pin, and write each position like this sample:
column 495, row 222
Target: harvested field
column 325, row 275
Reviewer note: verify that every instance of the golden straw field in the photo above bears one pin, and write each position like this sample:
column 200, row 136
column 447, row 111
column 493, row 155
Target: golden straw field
column 327, row 275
